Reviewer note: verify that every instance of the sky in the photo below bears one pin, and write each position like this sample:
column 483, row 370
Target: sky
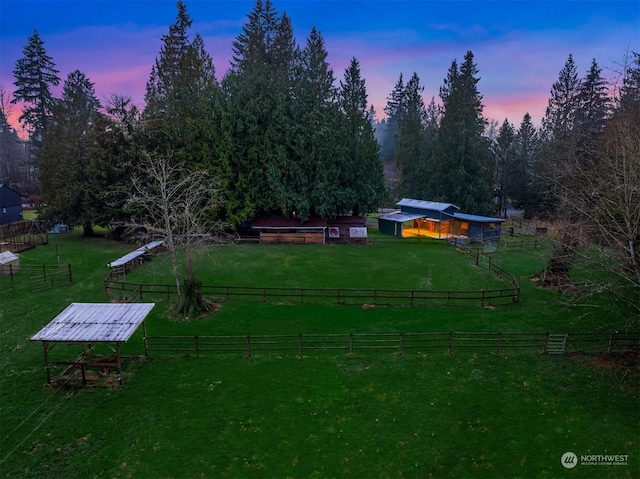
column 519, row 46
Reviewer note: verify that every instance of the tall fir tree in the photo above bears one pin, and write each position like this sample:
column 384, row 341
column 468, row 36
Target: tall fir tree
column 184, row 116
column 394, row 111
column 594, row 105
column 411, row 143
column 460, row 167
column 505, row 159
column 64, row 180
column 112, row 153
column 258, row 90
column 558, row 137
column 563, row 104
column 527, row 145
column 629, row 96
column 35, row 75
column 361, row 177
column 183, row 96
column 317, row 138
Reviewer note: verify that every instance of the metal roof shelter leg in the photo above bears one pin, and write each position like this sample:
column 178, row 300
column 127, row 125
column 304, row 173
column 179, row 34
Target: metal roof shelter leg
column 46, row 361
column 119, row 363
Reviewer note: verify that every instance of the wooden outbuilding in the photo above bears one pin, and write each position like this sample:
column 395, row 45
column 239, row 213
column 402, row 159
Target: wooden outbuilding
column 347, row 229
column 10, row 205
column 291, row 230
column 438, row 220
column 86, row 324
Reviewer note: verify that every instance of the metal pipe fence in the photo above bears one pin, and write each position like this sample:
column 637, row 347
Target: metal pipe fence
column 350, row 343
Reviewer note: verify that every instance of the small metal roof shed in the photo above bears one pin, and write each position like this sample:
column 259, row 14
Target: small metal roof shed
column 9, row 263
column 87, row 323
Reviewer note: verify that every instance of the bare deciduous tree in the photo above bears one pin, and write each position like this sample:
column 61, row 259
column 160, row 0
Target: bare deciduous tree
column 178, row 206
column 598, row 190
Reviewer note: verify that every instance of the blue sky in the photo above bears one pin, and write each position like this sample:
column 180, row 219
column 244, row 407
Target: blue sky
column 519, row 46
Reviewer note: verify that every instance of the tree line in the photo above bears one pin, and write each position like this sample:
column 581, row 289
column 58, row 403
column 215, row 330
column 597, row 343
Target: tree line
column 276, row 131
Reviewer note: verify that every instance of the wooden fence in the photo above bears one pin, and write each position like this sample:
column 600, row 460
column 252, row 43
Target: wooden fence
column 381, row 297
column 21, row 236
column 131, row 292
column 40, row 277
column 350, row 343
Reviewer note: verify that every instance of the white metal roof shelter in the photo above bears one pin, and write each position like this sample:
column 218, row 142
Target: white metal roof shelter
column 87, row 323
column 138, row 253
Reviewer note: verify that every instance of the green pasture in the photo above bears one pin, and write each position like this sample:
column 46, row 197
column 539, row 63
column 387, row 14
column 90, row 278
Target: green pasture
column 377, row 414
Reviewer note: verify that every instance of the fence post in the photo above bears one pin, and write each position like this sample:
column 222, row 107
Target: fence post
column 546, row 343
column 477, row 256
column 197, row 346
column 248, row 346
column 299, row 345
column 610, row 342
column 70, row 275
column 490, row 262
column 450, row 341
column 401, row 342
column 498, row 343
column 350, row 344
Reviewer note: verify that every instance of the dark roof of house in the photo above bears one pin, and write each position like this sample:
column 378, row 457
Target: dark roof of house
column 398, row 217
column 288, row 223
column 348, row 220
column 426, row 205
column 477, row 218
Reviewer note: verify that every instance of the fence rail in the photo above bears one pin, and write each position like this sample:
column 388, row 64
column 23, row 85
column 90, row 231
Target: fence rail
column 349, row 343
column 40, row 277
column 129, row 292
column 392, row 297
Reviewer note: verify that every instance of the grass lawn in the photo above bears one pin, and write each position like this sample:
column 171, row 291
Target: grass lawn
column 422, row 414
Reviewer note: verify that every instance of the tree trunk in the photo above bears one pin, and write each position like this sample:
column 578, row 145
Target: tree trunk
column 88, row 230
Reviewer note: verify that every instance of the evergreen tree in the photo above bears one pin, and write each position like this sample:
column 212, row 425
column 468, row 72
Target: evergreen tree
column 183, row 98
column 35, row 75
column 563, row 104
column 460, row 168
column 394, row 110
column 184, row 115
column 361, row 177
column 558, row 136
column 64, row 181
column 630, row 91
column 411, row 143
column 318, row 142
column 259, row 98
column 593, row 102
column 526, row 150
column 505, row 159
column 112, row 153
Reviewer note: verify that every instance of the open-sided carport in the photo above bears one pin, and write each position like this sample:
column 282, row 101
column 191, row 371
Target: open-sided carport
column 91, row 323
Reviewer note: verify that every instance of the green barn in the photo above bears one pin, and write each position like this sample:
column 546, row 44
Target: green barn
column 438, row 220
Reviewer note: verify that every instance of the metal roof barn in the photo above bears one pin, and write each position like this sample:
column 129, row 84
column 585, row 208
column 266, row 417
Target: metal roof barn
column 87, row 323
